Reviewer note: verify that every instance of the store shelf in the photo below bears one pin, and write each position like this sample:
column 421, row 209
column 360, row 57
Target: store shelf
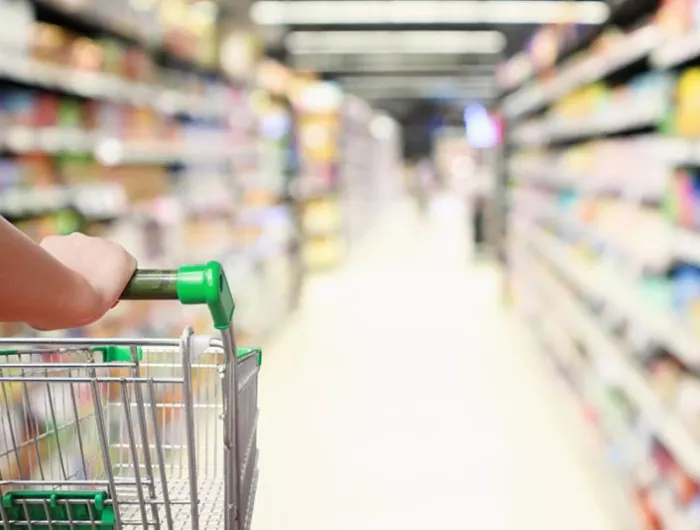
column 552, row 177
column 76, row 13
column 621, row 119
column 591, row 184
column 627, row 295
column 103, row 200
column 677, row 50
column 618, row 293
column 85, row 18
column 97, row 85
column 120, row 153
column 681, row 151
column 630, row 50
column 669, row 511
column 112, row 151
column 686, row 245
column 595, row 439
column 679, row 244
column 46, row 140
column 665, row 424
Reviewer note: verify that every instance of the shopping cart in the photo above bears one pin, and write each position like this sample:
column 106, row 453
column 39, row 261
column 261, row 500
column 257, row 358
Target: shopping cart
column 142, row 433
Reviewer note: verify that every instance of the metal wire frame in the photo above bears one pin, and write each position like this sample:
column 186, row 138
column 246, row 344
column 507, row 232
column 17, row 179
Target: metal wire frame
column 162, row 433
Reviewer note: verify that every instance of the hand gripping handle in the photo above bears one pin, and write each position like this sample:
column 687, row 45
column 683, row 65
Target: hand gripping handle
column 190, row 284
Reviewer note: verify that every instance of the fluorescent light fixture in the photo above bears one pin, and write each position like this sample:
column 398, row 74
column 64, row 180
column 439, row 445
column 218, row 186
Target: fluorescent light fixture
column 330, row 13
column 385, row 42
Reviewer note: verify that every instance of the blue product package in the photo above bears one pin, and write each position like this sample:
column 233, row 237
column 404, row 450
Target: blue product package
column 682, row 291
column 686, row 290
column 19, row 105
column 9, row 174
column 695, row 198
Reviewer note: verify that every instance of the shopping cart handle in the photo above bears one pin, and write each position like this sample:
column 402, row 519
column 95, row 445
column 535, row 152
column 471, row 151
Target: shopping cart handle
column 190, row 284
column 151, row 285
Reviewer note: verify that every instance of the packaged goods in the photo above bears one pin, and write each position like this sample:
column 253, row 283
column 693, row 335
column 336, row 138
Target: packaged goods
column 687, row 110
column 686, row 298
column 666, row 373
column 688, row 403
column 85, row 55
column 18, row 106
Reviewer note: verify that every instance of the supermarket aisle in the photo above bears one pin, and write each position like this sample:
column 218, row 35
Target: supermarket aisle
column 404, row 397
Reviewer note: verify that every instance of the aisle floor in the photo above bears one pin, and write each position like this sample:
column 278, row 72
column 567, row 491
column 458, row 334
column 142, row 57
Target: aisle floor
column 403, row 396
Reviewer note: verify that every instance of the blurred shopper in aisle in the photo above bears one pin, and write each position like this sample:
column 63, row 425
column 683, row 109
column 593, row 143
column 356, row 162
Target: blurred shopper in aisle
column 423, row 183
column 480, row 185
column 470, row 179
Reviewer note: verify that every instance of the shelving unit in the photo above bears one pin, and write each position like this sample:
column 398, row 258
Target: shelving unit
column 110, row 126
column 116, row 122
column 604, row 241
column 350, row 161
column 370, row 165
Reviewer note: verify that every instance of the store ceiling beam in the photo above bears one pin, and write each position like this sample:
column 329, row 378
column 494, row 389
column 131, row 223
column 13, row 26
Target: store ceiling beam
column 455, row 94
column 398, row 81
column 411, row 99
column 455, row 70
column 437, row 12
column 357, row 62
column 406, row 42
column 424, row 92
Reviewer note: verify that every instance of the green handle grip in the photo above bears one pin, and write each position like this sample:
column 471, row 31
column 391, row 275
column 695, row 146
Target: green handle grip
column 151, row 285
column 190, row 284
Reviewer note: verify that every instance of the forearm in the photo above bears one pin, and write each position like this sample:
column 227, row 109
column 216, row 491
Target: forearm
column 34, row 287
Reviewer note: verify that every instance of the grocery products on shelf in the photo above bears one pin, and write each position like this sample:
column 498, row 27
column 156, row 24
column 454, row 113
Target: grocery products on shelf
column 543, row 50
column 115, row 121
column 319, row 124
column 182, row 28
column 603, row 227
column 106, row 132
column 610, row 53
column 349, row 169
column 634, row 167
column 370, row 165
column 601, row 109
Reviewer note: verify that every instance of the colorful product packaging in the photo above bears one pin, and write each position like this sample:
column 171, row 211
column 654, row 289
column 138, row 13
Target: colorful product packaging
column 19, row 105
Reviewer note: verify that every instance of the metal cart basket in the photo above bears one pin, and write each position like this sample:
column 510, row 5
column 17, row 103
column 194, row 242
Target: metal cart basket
column 132, row 433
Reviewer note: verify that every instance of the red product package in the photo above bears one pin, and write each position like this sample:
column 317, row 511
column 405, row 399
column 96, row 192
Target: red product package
column 684, row 486
column 138, row 66
column 46, row 112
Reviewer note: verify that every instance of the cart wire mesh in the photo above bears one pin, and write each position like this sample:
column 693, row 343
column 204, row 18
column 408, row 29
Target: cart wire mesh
column 127, row 434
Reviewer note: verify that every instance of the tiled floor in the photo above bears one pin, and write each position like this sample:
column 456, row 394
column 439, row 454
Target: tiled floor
column 403, row 396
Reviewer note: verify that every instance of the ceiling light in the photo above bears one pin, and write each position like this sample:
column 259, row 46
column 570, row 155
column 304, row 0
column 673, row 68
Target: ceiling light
column 383, row 42
column 369, row 12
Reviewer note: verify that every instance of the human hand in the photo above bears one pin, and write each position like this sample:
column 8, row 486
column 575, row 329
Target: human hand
column 101, row 269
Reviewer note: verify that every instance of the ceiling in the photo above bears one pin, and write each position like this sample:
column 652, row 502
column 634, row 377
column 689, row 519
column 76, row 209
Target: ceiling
column 422, row 61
